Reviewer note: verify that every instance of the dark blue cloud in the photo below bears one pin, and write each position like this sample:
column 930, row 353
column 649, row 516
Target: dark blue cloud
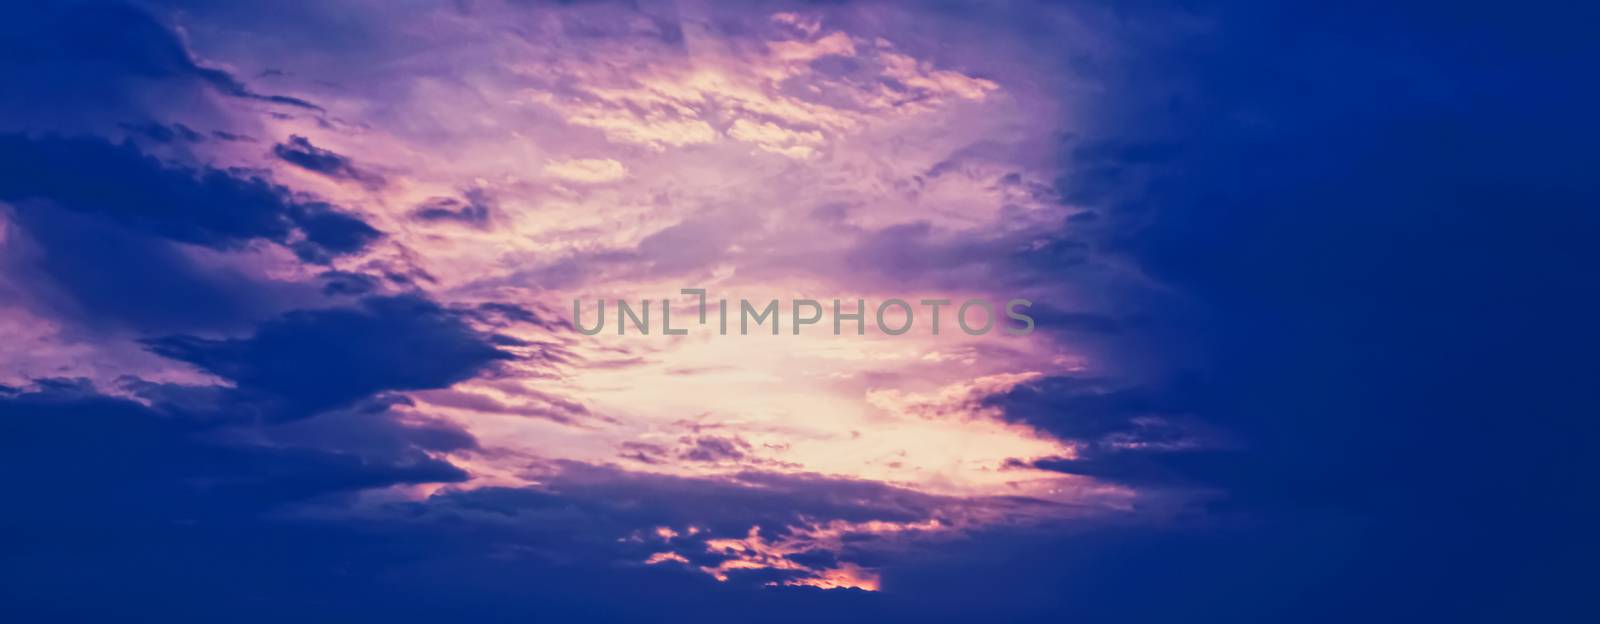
column 329, row 232
column 1147, row 436
column 347, row 283
column 98, row 274
column 299, row 151
column 163, row 133
column 100, row 64
column 1380, row 216
column 117, row 460
column 210, row 207
column 1079, row 409
column 96, row 227
column 125, row 38
column 311, row 360
column 153, row 505
column 473, row 208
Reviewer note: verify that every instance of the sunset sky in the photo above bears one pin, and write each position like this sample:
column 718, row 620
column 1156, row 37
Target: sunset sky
column 286, row 292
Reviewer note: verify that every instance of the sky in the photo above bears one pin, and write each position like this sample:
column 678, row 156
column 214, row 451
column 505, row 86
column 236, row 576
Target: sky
column 288, row 293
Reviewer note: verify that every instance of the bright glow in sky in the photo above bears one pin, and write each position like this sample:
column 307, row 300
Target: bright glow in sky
column 535, row 156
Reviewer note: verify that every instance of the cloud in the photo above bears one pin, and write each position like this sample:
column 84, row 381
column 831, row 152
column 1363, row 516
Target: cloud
column 473, row 208
column 752, row 529
column 146, row 465
column 299, row 151
column 588, row 170
column 92, row 54
column 162, row 133
column 714, row 448
column 77, row 267
column 1075, row 408
column 777, row 83
column 310, row 360
column 777, row 139
column 347, row 283
column 1148, row 436
column 215, row 208
column 527, row 403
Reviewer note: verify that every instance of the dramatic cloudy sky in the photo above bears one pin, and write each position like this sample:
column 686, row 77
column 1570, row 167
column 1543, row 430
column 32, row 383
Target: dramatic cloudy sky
column 286, row 297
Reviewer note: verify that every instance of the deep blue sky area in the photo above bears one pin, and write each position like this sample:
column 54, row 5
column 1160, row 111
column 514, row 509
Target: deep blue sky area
column 1382, row 218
